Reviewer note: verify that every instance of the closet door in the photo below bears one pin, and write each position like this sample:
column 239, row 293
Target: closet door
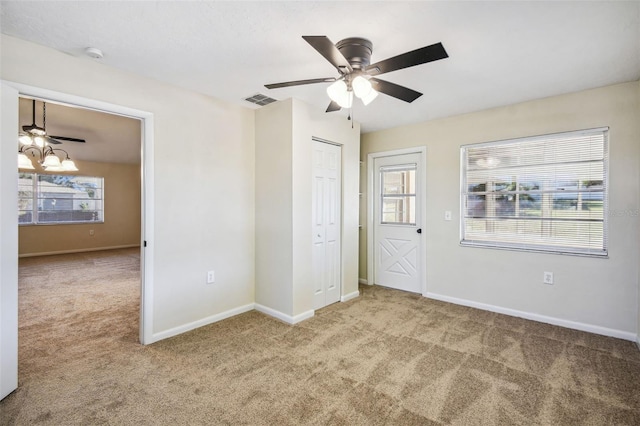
column 327, row 223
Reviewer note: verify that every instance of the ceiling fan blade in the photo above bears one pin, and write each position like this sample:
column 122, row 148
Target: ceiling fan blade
column 50, row 140
column 300, row 82
column 333, row 106
column 326, row 48
column 415, row 57
column 395, row 90
column 65, row 138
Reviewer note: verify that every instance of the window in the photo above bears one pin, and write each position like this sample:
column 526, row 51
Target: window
column 398, row 185
column 44, row 199
column 545, row 193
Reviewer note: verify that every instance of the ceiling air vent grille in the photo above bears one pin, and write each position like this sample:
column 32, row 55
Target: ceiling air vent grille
column 259, row 99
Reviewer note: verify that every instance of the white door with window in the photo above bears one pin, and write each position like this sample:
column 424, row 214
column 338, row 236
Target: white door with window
column 397, row 226
column 326, row 223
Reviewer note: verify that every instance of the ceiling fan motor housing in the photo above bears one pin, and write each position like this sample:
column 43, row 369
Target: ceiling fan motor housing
column 357, row 51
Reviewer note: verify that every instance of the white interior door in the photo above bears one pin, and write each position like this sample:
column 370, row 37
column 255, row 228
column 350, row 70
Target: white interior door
column 327, row 223
column 397, row 216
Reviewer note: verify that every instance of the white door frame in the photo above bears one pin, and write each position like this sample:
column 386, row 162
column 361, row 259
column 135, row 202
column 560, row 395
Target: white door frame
column 147, row 189
column 371, row 176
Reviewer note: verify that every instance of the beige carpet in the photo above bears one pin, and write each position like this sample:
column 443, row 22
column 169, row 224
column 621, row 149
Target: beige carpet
column 387, row 357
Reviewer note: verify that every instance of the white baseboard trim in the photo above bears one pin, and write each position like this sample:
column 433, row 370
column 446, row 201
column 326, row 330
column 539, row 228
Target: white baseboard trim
column 349, row 296
column 362, row 281
column 83, row 250
column 596, row 329
column 202, row 322
column 282, row 316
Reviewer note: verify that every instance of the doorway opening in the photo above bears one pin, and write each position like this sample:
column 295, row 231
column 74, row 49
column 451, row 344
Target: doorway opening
column 10, row 100
column 79, row 234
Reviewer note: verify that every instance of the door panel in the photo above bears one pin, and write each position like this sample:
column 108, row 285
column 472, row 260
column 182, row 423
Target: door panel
column 397, row 237
column 326, row 221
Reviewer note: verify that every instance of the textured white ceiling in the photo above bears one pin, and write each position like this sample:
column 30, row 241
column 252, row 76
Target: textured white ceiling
column 500, row 52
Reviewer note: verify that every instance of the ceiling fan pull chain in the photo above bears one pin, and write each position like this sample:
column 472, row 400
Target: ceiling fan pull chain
column 44, row 116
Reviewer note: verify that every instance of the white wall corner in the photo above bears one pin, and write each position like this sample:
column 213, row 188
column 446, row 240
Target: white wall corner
column 202, row 322
column 590, row 328
column 284, row 317
column 350, row 296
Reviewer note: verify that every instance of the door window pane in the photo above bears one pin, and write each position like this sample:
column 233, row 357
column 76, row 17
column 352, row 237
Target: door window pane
column 398, row 185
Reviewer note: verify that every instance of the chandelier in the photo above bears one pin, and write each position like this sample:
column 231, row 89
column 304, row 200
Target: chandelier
column 34, row 142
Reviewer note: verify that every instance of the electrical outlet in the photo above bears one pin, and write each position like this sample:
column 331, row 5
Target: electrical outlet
column 211, row 277
column 447, row 215
column 547, row 278
column 91, row 232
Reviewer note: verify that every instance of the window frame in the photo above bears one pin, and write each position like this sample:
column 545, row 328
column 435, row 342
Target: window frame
column 36, row 192
column 528, row 246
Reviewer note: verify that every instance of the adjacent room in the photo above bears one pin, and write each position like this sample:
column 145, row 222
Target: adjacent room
column 320, row 212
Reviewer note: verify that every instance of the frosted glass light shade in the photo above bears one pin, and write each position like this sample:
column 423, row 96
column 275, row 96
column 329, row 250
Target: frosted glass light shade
column 340, row 94
column 69, row 166
column 51, row 161
column 24, row 162
column 370, row 97
column 337, row 91
column 25, row 139
column 361, row 86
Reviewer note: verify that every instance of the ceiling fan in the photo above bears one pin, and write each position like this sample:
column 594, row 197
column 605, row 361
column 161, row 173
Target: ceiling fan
column 33, row 131
column 351, row 57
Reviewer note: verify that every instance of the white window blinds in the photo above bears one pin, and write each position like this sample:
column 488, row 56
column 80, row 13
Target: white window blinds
column 51, row 199
column 544, row 193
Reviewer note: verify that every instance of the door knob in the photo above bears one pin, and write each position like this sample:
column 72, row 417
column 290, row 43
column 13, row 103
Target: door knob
column 419, row 231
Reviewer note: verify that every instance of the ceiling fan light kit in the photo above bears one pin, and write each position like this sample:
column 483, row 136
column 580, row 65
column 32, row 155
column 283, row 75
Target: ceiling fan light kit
column 34, row 140
column 352, row 59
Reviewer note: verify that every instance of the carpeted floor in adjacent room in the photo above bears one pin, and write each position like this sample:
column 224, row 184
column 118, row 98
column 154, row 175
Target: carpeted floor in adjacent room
column 387, row 357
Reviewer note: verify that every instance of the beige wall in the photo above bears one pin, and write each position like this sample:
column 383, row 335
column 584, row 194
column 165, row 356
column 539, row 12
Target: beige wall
column 599, row 293
column 274, row 251
column 121, row 227
column 284, row 131
column 203, row 194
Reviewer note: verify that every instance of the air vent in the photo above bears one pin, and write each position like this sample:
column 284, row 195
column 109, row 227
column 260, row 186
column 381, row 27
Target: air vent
column 259, row 99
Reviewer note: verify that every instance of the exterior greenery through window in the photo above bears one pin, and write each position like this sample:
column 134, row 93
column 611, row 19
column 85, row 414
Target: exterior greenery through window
column 545, row 193
column 46, row 199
